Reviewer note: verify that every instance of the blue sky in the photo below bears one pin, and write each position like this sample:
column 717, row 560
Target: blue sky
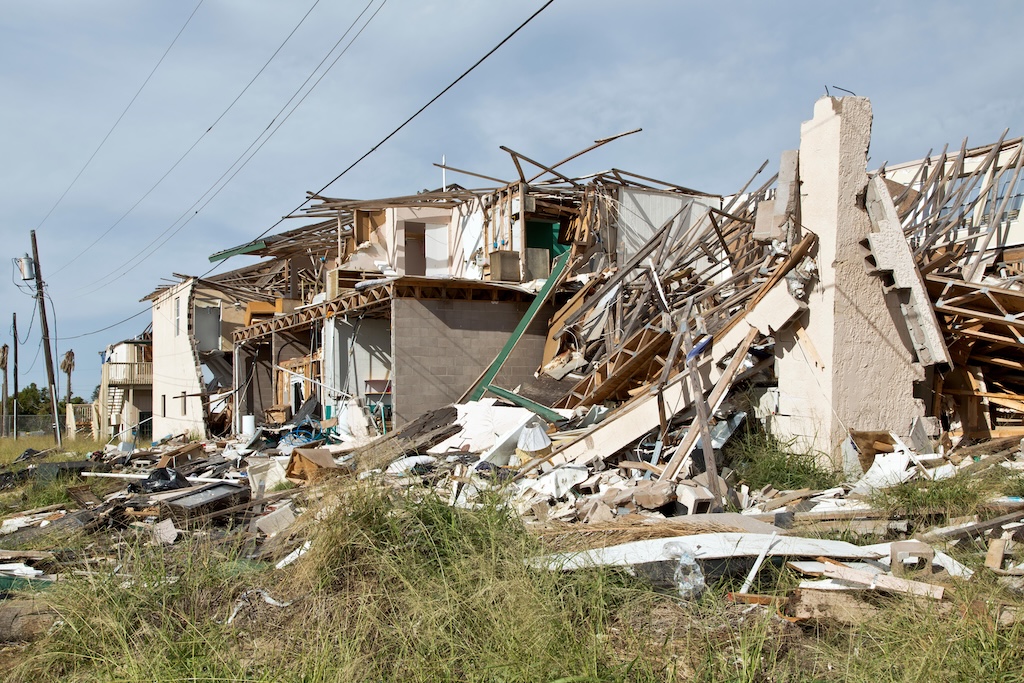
column 717, row 87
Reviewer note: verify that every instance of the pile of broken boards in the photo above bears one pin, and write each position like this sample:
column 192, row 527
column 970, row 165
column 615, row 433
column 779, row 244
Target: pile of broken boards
column 224, row 492
column 678, row 536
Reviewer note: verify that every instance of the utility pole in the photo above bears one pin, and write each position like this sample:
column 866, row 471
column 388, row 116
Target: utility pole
column 15, row 423
column 46, row 340
column 3, row 412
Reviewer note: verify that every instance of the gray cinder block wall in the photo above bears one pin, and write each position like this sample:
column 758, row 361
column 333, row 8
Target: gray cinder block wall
column 440, row 347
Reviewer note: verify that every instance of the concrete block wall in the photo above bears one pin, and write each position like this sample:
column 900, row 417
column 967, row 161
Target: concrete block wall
column 440, row 347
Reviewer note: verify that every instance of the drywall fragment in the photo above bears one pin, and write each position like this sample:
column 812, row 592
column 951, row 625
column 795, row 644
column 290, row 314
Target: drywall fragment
column 787, row 197
column 557, row 483
column 277, row 521
column 265, row 472
column 888, row 469
column 164, row 532
column 775, row 310
column 765, row 229
column 481, row 424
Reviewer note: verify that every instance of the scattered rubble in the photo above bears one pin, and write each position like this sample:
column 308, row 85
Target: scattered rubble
column 872, row 319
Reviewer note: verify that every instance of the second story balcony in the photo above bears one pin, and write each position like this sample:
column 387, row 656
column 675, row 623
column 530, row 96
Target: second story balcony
column 127, row 374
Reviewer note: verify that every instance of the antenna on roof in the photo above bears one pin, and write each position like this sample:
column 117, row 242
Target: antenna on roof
column 444, row 183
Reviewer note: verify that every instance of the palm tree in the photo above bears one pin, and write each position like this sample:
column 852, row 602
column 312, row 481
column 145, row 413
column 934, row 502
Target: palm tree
column 67, row 365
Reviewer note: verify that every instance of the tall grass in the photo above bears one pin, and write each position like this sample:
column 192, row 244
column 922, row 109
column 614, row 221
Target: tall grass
column 398, row 586
column 926, row 502
column 761, row 460
column 11, row 448
column 394, row 587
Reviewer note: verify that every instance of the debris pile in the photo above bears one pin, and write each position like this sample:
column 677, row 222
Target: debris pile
column 874, row 321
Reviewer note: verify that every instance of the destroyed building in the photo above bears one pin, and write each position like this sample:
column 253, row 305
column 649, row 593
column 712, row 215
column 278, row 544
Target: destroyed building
column 125, row 398
column 583, row 349
column 623, row 310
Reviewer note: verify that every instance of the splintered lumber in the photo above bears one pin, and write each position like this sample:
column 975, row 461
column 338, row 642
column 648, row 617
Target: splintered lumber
column 780, row 501
column 977, row 528
column 25, row 555
column 884, row 582
column 630, row 422
column 674, row 465
column 627, row 364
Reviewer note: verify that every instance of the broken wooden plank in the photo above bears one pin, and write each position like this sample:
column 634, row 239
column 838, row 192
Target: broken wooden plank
column 996, row 550
column 977, row 528
column 674, row 465
column 780, row 501
column 883, row 581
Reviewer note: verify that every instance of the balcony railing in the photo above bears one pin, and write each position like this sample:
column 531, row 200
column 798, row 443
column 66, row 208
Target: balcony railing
column 128, row 373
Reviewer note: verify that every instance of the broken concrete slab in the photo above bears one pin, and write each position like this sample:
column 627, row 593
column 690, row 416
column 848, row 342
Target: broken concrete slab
column 893, row 258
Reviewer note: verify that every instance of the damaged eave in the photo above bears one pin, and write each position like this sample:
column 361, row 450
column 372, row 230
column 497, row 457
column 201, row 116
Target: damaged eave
column 375, row 299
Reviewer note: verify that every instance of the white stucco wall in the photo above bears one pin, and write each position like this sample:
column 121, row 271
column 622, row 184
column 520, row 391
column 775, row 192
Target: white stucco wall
column 174, row 366
column 868, row 374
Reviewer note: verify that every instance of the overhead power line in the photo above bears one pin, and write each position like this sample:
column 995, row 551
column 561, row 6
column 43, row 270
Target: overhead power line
column 194, row 144
column 141, row 256
column 364, row 156
column 109, row 132
column 409, row 120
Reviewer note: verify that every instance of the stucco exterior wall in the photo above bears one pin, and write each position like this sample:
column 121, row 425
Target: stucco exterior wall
column 174, row 366
column 867, row 382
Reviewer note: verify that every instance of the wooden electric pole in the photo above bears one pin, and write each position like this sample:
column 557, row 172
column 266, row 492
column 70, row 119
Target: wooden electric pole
column 48, row 351
column 14, row 423
column 3, row 412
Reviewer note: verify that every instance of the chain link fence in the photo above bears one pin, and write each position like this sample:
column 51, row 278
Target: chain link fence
column 29, row 425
